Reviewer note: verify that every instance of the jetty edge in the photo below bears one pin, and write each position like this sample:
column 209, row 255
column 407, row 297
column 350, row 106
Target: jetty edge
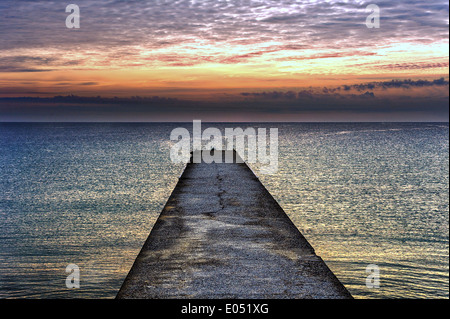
column 221, row 235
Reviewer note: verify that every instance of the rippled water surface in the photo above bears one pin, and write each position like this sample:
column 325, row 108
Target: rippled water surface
column 88, row 194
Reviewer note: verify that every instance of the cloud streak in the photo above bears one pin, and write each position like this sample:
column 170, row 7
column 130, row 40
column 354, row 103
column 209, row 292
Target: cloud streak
column 404, row 84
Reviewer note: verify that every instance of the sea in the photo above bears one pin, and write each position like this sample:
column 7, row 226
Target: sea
column 371, row 198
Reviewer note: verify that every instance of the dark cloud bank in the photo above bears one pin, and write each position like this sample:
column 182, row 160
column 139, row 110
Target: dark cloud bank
column 358, row 102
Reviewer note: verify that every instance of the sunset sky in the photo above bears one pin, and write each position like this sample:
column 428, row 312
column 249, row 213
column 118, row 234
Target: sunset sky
column 225, row 60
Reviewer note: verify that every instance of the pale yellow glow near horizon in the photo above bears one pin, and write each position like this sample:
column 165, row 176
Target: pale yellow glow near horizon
column 188, row 68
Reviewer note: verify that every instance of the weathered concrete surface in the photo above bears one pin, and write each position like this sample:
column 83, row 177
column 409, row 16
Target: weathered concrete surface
column 222, row 235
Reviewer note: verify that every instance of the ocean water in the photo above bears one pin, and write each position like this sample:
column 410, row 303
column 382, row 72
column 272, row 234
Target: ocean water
column 88, row 194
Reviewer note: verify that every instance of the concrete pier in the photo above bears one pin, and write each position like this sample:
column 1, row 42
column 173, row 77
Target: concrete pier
column 222, row 235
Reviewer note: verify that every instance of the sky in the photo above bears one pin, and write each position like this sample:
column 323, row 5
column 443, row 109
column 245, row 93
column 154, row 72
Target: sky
column 224, row 60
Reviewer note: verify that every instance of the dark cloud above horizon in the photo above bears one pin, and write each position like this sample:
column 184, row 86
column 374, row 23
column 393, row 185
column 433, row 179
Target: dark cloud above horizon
column 318, row 104
column 404, row 84
column 341, row 92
